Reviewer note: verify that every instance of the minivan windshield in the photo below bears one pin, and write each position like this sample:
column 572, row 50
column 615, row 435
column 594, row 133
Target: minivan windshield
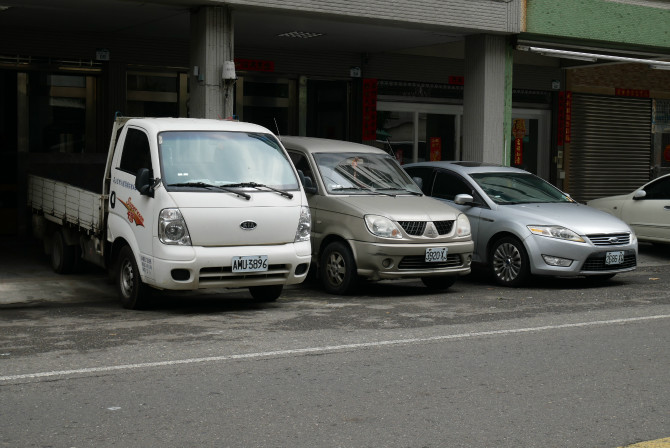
column 363, row 173
column 241, row 160
column 518, row 188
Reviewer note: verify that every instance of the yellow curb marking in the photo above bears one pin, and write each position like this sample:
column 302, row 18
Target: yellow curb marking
column 658, row 443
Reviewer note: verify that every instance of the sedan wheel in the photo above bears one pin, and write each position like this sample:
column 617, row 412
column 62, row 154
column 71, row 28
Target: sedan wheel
column 509, row 262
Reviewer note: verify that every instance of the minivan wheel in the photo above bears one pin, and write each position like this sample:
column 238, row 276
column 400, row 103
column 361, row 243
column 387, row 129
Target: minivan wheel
column 268, row 293
column 439, row 283
column 509, row 262
column 132, row 291
column 337, row 268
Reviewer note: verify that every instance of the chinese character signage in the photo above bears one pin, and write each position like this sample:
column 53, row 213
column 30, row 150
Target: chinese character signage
column 369, row 109
column 568, row 116
column 519, row 132
column 636, row 93
column 254, row 65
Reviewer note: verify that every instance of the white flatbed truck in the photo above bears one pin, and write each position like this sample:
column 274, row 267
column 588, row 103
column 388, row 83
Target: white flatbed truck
column 185, row 204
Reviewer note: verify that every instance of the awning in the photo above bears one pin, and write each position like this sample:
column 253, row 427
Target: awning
column 658, row 64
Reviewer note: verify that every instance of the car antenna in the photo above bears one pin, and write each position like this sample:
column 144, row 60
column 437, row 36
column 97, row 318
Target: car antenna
column 277, row 126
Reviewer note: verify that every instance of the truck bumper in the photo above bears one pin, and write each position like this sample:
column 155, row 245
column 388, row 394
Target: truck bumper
column 190, row 268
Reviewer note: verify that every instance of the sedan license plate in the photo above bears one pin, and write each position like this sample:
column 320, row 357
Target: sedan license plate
column 614, row 257
column 254, row 263
column 434, row 254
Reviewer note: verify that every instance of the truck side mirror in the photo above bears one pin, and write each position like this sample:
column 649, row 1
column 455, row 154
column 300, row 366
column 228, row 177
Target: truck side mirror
column 144, row 183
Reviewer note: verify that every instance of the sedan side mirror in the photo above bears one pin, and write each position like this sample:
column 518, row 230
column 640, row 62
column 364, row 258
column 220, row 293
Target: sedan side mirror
column 419, row 182
column 464, row 199
column 639, row 194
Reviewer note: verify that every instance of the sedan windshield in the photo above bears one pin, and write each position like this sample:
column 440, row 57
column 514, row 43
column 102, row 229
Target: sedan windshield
column 518, row 188
column 241, row 160
column 355, row 173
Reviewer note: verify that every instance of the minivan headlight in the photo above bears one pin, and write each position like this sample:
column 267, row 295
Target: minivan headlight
column 172, row 228
column 559, row 232
column 382, row 226
column 304, row 230
column 463, row 226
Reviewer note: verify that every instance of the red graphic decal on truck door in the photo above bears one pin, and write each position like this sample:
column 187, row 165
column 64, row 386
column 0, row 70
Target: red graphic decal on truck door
column 134, row 215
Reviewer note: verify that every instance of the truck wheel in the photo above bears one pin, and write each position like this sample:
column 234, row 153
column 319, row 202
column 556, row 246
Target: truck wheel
column 132, row 291
column 63, row 257
column 439, row 283
column 338, row 269
column 509, row 262
column 268, row 293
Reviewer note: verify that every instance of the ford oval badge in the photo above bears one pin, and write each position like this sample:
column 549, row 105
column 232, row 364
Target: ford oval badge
column 248, row 225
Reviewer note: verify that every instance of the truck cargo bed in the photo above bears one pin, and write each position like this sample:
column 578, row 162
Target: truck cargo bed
column 65, row 204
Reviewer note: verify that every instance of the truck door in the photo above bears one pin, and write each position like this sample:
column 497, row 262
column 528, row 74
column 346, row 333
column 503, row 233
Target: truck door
column 131, row 215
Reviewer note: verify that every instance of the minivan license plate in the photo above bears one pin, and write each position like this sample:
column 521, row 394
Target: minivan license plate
column 254, row 263
column 434, row 254
column 614, row 257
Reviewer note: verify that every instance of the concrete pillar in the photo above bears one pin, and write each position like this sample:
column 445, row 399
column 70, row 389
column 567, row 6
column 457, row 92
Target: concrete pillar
column 211, row 46
column 487, row 99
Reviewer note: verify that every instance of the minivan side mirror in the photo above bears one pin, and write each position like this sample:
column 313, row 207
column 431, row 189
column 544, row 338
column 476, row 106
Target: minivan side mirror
column 307, row 183
column 464, row 199
column 144, row 183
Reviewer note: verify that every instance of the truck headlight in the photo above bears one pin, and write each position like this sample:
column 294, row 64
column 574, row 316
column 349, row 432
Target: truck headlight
column 304, row 225
column 382, row 226
column 172, row 228
column 463, row 226
column 559, row 232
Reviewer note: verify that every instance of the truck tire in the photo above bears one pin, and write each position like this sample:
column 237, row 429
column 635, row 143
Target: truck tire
column 337, row 269
column 268, row 293
column 132, row 291
column 63, row 257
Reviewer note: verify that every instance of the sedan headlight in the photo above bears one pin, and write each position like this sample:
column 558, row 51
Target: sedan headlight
column 462, row 226
column 382, row 227
column 172, row 228
column 559, row 232
column 304, row 225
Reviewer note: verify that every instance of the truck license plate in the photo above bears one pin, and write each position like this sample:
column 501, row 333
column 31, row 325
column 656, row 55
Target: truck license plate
column 434, row 254
column 254, row 263
column 614, row 257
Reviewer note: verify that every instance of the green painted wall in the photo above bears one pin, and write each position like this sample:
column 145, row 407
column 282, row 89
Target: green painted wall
column 600, row 20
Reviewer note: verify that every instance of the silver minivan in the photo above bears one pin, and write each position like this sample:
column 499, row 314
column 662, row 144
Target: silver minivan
column 370, row 220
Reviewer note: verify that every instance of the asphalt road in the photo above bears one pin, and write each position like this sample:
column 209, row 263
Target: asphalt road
column 561, row 363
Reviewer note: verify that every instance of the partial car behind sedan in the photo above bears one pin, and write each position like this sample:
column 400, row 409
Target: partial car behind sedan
column 646, row 210
column 523, row 225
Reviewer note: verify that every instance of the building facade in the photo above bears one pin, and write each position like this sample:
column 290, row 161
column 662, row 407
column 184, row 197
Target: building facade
column 424, row 80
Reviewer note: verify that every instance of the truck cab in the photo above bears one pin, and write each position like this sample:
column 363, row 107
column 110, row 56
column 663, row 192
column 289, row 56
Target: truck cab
column 196, row 203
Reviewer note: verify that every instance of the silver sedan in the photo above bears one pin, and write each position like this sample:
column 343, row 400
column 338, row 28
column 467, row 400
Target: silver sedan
column 523, row 225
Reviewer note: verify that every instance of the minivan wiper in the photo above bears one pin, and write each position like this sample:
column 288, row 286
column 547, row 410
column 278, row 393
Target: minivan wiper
column 209, row 187
column 405, row 190
column 259, row 186
column 369, row 190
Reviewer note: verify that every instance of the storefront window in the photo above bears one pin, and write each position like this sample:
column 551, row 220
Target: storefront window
column 57, row 108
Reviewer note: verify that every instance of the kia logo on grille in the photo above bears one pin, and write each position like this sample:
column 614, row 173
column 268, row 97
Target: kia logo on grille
column 248, row 225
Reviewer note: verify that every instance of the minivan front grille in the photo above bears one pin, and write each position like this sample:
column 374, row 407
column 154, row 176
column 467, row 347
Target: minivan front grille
column 416, row 228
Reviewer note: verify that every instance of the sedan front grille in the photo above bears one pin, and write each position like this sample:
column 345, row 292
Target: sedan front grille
column 612, row 239
column 596, row 263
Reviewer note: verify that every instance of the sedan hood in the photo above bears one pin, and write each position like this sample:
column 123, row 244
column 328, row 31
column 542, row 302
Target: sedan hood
column 398, row 208
column 579, row 218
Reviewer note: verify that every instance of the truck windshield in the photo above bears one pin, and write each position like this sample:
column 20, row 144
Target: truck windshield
column 221, row 158
column 367, row 173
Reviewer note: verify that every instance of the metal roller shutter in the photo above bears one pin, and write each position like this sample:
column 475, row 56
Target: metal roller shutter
column 610, row 151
